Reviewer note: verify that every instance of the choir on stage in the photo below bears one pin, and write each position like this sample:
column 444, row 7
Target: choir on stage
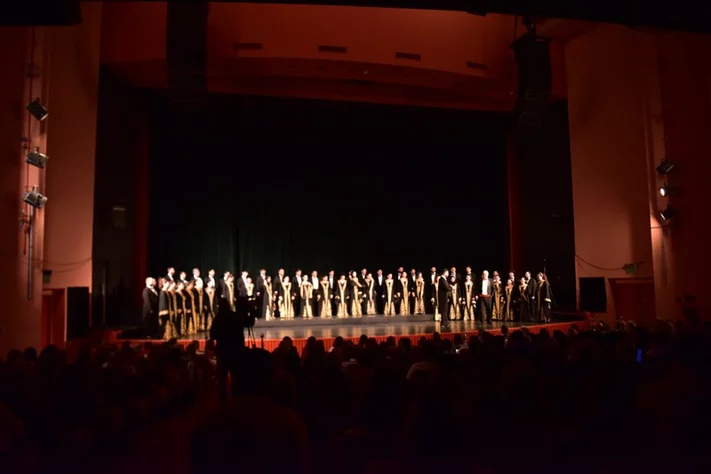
column 181, row 306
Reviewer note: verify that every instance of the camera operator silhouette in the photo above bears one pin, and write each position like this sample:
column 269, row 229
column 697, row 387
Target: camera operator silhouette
column 228, row 333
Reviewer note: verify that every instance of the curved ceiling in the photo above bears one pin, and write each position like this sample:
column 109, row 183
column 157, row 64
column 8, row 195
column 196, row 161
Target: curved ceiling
column 435, row 58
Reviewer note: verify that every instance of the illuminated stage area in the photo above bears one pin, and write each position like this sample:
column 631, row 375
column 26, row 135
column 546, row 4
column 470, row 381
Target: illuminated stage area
column 378, row 327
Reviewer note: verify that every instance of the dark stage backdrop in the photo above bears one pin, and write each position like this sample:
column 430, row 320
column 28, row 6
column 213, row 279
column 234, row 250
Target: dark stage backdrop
column 262, row 182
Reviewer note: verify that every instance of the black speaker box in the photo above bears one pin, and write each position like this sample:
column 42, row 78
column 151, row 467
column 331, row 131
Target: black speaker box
column 593, row 295
column 535, row 80
column 78, row 312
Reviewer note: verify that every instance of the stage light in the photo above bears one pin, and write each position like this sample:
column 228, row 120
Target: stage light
column 35, row 199
column 667, row 213
column 667, row 190
column 665, row 166
column 35, row 158
column 37, row 110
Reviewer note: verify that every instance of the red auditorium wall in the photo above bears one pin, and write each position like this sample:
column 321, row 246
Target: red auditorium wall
column 634, row 98
column 20, row 319
column 59, row 54
column 71, row 145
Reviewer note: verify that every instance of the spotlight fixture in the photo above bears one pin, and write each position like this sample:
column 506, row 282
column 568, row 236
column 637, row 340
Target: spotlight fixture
column 667, row 213
column 35, row 199
column 667, row 190
column 665, row 166
column 35, row 158
column 37, row 110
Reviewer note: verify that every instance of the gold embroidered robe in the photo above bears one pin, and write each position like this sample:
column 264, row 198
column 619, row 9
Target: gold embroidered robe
column 286, row 304
column 468, row 300
column 389, row 309
column 167, row 312
column 497, row 294
column 325, row 300
column 437, row 315
column 419, row 296
column 370, row 307
column 231, row 291
column 508, row 303
column 307, row 296
column 268, row 301
column 199, row 312
column 404, row 296
column 356, row 296
column 454, row 307
column 209, row 312
column 342, row 298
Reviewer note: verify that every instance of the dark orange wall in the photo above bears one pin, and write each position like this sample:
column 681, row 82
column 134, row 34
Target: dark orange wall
column 20, row 319
column 685, row 80
column 64, row 78
column 633, row 99
column 71, row 145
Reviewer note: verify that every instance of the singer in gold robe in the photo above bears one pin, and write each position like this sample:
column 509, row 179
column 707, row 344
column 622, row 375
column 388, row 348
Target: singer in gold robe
column 181, row 324
column 342, row 297
column 437, row 315
column 231, row 296
column 324, row 298
column 268, row 300
column 389, row 296
column 199, row 295
column 210, row 305
column 370, row 295
column 508, row 313
column 454, row 313
column 190, row 294
column 419, row 295
column 286, row 300
column 403, row 295
column 307, row 297
column 497, row 309
column 468, row 301
column 356, row 296
column 165, row 309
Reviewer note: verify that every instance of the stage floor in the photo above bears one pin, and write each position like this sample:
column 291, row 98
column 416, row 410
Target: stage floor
column 378, row 327
column 371, row 326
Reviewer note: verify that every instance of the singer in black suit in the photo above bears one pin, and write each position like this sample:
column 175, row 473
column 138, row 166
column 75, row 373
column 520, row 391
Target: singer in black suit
column 379, row 292
column 444, row 294
column 150, row 308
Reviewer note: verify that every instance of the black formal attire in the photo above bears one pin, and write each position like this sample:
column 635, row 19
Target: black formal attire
column 430, row 293
column 379, row 286
column 278, row 289
column 444, row 295
column 364, row 289
column 531, row 310
column 208, row 280
column 296, row 291
column 261, row 288
column 150, row 311
column 485, row 302
column 242, row 289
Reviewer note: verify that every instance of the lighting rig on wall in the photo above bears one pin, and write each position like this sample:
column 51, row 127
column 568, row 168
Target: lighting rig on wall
column 32, row 199
column 664, row 168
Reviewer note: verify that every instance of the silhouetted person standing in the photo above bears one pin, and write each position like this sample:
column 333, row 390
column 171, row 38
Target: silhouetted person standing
column 228, row 332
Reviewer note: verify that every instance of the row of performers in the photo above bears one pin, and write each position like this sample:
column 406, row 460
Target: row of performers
column 357, row 296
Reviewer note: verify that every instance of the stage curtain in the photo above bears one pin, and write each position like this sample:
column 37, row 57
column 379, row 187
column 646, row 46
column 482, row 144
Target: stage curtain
column 321, row 186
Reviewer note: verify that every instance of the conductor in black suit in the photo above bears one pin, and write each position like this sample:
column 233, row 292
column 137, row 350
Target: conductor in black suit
column 444, row 294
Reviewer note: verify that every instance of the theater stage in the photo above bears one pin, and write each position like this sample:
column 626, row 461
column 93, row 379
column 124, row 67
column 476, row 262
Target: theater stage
column 268, row 334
